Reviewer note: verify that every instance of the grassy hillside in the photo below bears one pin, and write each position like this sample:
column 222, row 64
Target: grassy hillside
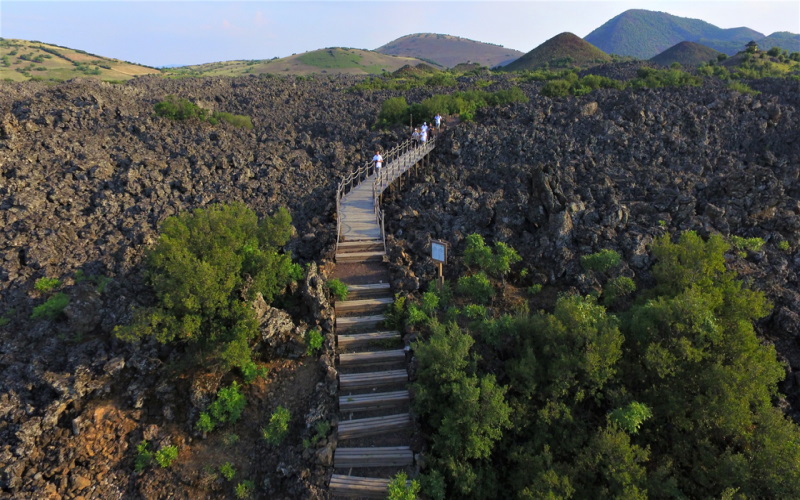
column 22, row 60
column 781, row 39
column 644, row 34
column 332, row 60
column 687, row 54
column 448, row 50
column 562, row 51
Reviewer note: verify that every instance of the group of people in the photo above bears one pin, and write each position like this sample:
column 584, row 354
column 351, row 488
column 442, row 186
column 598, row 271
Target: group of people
column 419, row 136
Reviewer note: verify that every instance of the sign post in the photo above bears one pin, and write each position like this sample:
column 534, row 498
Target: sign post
column 439, row 255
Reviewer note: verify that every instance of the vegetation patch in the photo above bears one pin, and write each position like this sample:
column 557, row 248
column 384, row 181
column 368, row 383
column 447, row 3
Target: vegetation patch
column 178, row 108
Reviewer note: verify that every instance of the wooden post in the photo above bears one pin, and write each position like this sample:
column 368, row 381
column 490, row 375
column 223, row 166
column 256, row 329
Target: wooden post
column 440, row 279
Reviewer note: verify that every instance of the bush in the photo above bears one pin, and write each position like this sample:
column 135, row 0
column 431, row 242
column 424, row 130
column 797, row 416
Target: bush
column 616, row 288
column 206, row 269
column 166, row 456
column 251, row 371
column 228, row 405
column 245, row 489
column 416, row 316
column 143, row 456
column 430, row 303
column 52, row 308
column 338, row 289
column 631, row 417
column 314, row 341
column 497, row 263
column 395, row 314
column 535, row 288
column 394, row 110
column 227, row 470
column 477, row 287
column 205, row 423
column 400, row 488
column 278, row 427
column 240, row 121
column 742, row 88
column 784, row 246
column 601, row 261
column 178, row 108
column 46, row 285
column 750, row 244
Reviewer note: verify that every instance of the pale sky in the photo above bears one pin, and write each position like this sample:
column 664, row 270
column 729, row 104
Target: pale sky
column 180, row 32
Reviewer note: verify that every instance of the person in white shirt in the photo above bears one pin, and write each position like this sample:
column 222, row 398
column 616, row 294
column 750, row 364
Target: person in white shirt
column 424, row 128
column 378, row 161
column 438, row 120
column 423, row 135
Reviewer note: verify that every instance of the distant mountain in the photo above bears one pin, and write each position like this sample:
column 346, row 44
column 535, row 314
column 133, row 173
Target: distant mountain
column 447, row 50
column 783, row 39
column 22, row 60
column 645, row 33
column 687, row 54
column 333, row 60
column 561, row 51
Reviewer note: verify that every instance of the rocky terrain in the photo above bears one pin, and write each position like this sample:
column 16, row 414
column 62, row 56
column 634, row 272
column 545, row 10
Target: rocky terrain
column 558, row 179
column 87, row 173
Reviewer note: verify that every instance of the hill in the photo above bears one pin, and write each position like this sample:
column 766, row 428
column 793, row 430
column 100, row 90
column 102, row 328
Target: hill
column 644, row 34
column 561, row 51
column 22, row 60
column 781, row 39
column 332, row 60
column 447, row 50
column 687, row 54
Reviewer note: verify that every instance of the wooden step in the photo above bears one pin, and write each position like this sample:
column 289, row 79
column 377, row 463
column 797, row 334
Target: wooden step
column 372, row 426
column 353, row 381
column 361, row 487
column 374, row 401
column 358, row 323
column 390, row 456
column 360, row 246
column 371, row 358
column 373, row 256
column 363, row 306
column 355, row 292
column 362, row 339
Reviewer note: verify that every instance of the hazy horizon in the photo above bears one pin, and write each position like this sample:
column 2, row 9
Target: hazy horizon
column 180, row 32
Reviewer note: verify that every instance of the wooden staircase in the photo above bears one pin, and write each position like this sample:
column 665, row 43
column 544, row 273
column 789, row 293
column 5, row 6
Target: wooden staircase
column 374, row 430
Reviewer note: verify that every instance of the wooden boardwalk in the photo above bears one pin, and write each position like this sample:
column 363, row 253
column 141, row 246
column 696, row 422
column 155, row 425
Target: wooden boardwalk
column 374, row 428
column 357, row 213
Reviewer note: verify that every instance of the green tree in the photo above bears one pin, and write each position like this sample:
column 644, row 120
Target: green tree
column 205, row 269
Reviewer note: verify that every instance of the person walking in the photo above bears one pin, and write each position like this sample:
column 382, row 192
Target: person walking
column 438, row 120
column 415, row 137
column 378, row 161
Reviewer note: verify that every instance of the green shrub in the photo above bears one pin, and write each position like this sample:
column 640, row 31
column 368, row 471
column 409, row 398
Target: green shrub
column 395, row 314
column 47, row 285
column 400, row 488
column 616, row 288
column 205, row 423
column 430, row 303
column 166, row 456
column 601, row 261
column 143, row 456
column 252, row 371
column 178, row 108
column 784, row 245
column 394, row 110
column 432, row 485
column 631, row 417
column 230, row 439
column 227, row 470
column 52, row 308
column 278, row 426
column 206, row 269
column 535, row 288
column 314, row 340
column 240, row 121
column 476, row 286
column 475, row 311
column 338, row 289
column 742, row 88
column 228, row 405
column 497, row 263
column 750, row 244
column 415, row 315
column 245, row 489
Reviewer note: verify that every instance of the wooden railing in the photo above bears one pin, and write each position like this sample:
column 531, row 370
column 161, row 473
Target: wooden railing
column 397, row 160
